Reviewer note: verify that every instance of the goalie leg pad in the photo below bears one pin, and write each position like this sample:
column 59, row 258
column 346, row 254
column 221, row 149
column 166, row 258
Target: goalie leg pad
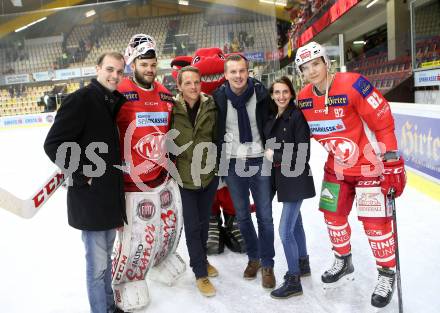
column 131, row 295
column 339, row 232
column 169, row 270
column 136, row 248
column 138, row 240
column 171, row 219
column 382, row 244
column 153, row 232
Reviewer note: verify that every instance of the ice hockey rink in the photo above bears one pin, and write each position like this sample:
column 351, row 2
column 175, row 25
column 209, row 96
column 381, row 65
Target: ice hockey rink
column 43, row 265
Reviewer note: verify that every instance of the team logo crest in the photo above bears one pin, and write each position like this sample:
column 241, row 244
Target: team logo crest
column 146, row 210
column 343, row 149
column 166, row 198
column 151, row 146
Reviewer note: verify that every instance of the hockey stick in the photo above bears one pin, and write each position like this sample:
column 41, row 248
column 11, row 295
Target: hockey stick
column 392, row 202
column 29, row 207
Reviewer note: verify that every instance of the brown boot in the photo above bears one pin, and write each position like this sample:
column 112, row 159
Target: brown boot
column 251, row 270
column 267, row 278
column 212, row 271
column 205, row 287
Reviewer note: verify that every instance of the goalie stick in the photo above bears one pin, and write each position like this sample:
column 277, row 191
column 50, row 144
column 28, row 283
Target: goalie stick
column 27, row 208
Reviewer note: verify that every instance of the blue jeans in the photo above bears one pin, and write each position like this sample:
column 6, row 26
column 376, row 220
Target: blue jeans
column 261, row 247
column 292, row 235
column 99, row 245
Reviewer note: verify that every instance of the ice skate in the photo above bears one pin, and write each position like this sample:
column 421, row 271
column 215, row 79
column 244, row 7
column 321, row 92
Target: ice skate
column 341, row 272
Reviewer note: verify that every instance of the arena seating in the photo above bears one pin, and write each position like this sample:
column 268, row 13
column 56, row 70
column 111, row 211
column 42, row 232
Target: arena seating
column 383, row 74
column 34, row 58
column 198, row 30
column 25, row 103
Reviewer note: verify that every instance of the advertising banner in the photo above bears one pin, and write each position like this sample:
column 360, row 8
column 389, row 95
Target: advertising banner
column 88, row 71
column 419, row 141
column 274, row 55
column 427, row 78
column 16, row 79
column 43, row 76
column 164, row 64
column 67, row 73
column 255, row 56
column 28, row 120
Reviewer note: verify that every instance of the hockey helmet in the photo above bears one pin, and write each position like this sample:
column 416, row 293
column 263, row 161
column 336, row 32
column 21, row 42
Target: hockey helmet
column 139, row 45
column 310, row 51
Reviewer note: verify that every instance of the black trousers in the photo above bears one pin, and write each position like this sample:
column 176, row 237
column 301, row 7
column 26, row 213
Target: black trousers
column 196, row 211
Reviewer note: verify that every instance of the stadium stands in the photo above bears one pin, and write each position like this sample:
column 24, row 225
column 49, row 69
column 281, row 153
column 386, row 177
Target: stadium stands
column 84, row 43
column 183, row 34
column 24, row 103
column 383, row 74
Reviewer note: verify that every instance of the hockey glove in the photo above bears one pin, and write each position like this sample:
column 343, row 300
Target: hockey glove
column 393, row 177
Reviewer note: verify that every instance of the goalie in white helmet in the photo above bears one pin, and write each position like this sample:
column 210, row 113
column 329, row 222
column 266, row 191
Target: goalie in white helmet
column 140, row 49
column 147, row 244
column 353, row 121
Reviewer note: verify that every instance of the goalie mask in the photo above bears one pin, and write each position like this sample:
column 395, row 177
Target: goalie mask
column 309, row 52
column 140, row 46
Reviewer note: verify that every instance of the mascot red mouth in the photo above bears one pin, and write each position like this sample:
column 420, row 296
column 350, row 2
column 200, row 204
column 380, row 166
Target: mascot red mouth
column 210, row 62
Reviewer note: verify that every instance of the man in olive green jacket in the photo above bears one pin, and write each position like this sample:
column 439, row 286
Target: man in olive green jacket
column 196, row 164
column 194, row 117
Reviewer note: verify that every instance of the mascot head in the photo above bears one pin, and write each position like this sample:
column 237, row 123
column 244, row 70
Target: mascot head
column 210, row 62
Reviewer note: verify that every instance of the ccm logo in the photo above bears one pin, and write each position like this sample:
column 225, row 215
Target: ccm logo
column 369, row 183
column 48, row 189
column 389, row 171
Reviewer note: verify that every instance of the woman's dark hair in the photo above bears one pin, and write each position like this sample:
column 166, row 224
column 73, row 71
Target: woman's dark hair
column 282, row 80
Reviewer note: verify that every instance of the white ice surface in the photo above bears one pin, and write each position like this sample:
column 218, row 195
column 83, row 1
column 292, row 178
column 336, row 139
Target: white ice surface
column 43, row 268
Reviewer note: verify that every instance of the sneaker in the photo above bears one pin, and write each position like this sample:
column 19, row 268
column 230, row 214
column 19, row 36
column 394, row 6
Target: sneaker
column 232, row 235
column 251, row 270
column 291, row 287
column 384, row 290
column 212, row 271
column 342, row 268
column 205, row 287
column 215, row 243
column 267, row 278
column 304, row 266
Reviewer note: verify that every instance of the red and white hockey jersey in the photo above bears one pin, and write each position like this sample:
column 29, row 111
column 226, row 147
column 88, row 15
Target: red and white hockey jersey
column 143, row 122
column 358, row 119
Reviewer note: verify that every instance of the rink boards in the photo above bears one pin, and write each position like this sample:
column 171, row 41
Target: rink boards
column 417, row 132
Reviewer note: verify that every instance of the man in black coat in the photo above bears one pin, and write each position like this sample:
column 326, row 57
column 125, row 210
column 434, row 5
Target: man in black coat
column 85, row 128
